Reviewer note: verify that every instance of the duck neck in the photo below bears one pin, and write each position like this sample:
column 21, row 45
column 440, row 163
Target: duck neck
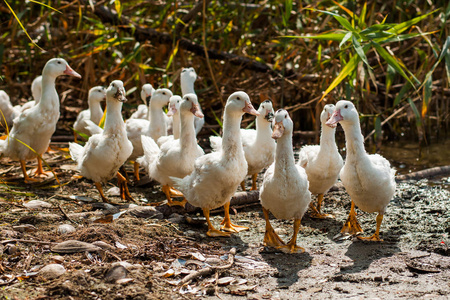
column 176, row 125
column 96, row 111
column 157, row 124
column 354, row 141
column 49, row 98
column 114, row 121
column 327, row 139
column 188, row 139
column 231, row 145
column 263, row 129
column 284, row 154
column 187, row 87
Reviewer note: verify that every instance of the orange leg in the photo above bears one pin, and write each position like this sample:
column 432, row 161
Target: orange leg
column 212, row 232
column 171, row 192
column 124, row 192
column 351, row 226
column 136, row 171
column 75, row 139
column 40, row 171
column 27, row 178
column 254, row 177
column 227, row 225
column 315, row 211
column 271, row 238
column 376, row 236
column 98, row 185
column 243, row 185
column 291, row 246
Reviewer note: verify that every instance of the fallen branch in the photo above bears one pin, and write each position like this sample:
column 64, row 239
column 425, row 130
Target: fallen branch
column 427, row 173
column 208, row 270
column 26, row 242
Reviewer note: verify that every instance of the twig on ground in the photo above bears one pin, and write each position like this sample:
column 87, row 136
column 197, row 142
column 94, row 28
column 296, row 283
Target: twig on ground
column 27, row 242
column 65, row 215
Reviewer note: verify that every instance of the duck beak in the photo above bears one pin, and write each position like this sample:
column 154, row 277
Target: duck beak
column 172, row 110
column 269, row 116
column 71, row 72
column 196, row 111
column 250, row 109
column 334, row 119
column 278, row 130
column 120, row 95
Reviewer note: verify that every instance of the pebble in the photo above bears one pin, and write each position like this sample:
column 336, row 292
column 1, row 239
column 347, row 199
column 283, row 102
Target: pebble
column 115, row 273
column 66, row 228
column 37, row 204
column 52, row 271
column 145, row 212
column 11, row 249
column 57, row 259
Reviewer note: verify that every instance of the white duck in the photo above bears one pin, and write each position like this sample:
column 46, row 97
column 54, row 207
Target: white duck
column 187, row 79
column 94, row 112
column 368, row 179
column 322, row 162
column 103, row 155
column 259, row 147
column 217, row 175
column 176, row 157
column 8, row 112
column 36, row 91
column 155, row 127
column 284, row 191
column 142, row 109
column 35, row 126
column 174, row 112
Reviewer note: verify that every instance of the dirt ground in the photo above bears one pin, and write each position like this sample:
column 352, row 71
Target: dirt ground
column 145, row 253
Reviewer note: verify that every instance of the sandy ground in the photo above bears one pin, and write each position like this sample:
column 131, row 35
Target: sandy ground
column 146, row 254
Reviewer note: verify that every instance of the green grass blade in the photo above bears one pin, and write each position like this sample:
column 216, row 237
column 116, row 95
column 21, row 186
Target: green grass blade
column 346, row 70
column 416, row 113
column 360, row 51
column 345, row 39
column 377, row 134
column 427, row 95
column 405, row 88
column 337, row 37
column 48, row 6
column 362, row 16
column 399, row 28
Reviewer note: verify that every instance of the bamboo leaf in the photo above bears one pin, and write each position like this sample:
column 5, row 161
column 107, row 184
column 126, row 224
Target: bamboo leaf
column 337, row 37
column 172, row 55
column 390, row 75
column 346, row 70
column 416, row 113
column 405, row 88
column 362, row 17
column 101, row 124
column 399, row 28
column 118, row 7
column 345, row 39
column 349, row 12
column 426, row 95
column 360, row 51
column 43, row 4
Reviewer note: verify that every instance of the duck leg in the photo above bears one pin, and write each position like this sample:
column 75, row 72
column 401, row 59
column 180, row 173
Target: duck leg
column 227, row 225
column 136, row 171
column 75, row 138
column 124, row 192
column 291, row 246
column 243, row 185
column 376, row 236
column 351, row 226
column 254, row 177
column 271, row 238
column 171, row 192
column 27, row 178
column 98, row 185
column 315, row 211
column 40, row 171
column 212, row 232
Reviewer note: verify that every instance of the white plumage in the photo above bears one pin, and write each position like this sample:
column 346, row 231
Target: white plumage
column 94, row 113
column 174, row 114
column 368, row 179
column 9, row 112
column 187, row 79
column 142, row 109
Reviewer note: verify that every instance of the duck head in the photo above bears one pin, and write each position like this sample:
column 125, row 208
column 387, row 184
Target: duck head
column 188, row 75
column 327, row 112
column 282, row 124
column 58, row 66
column 116, row 91
column 174, row 105
column 146, row 92
column 97, row 94
column 240, row 102
column 190, row 103
column 345, row 112
column 160, row 97
column 266, row 110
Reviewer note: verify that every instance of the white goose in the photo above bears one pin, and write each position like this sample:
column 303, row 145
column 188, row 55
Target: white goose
column 155, row 127
column 368, row 179
column 35, row 126
column 217, row 175
column 102, row 156
column 174, row 113
column 259, row 147
column 8, row 112
column 322, row 162
column 142, row 109
column 176, row 157
column 187, row 79
column 284, row 191
column 94, row 112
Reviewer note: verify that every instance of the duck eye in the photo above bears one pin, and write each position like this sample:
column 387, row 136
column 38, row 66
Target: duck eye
column 285, row 116
column 59, row 62
column 238, row 98
column 113, row 85
column 346, row 106
column 263, row 107
column 163, row 93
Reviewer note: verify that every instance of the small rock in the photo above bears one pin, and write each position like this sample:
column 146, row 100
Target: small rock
column 115, row 273
column 124, row 280
column 176, row 218
column 57, row 259
column 25, row 228
column 37, row 204
column 114, row 191
column 74, row 246
column 280, row 231
column 145, row 212
column 66, row 228
column 225, row 280
column 52, row 271
column 10, row 249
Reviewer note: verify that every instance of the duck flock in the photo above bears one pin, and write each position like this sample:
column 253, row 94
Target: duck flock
column 182, row 168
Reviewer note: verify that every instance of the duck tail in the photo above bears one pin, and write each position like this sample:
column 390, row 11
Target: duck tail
column 151, row 151
column 93, row 128
column 76, row 151
column 216, row 143
column 180, row 184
